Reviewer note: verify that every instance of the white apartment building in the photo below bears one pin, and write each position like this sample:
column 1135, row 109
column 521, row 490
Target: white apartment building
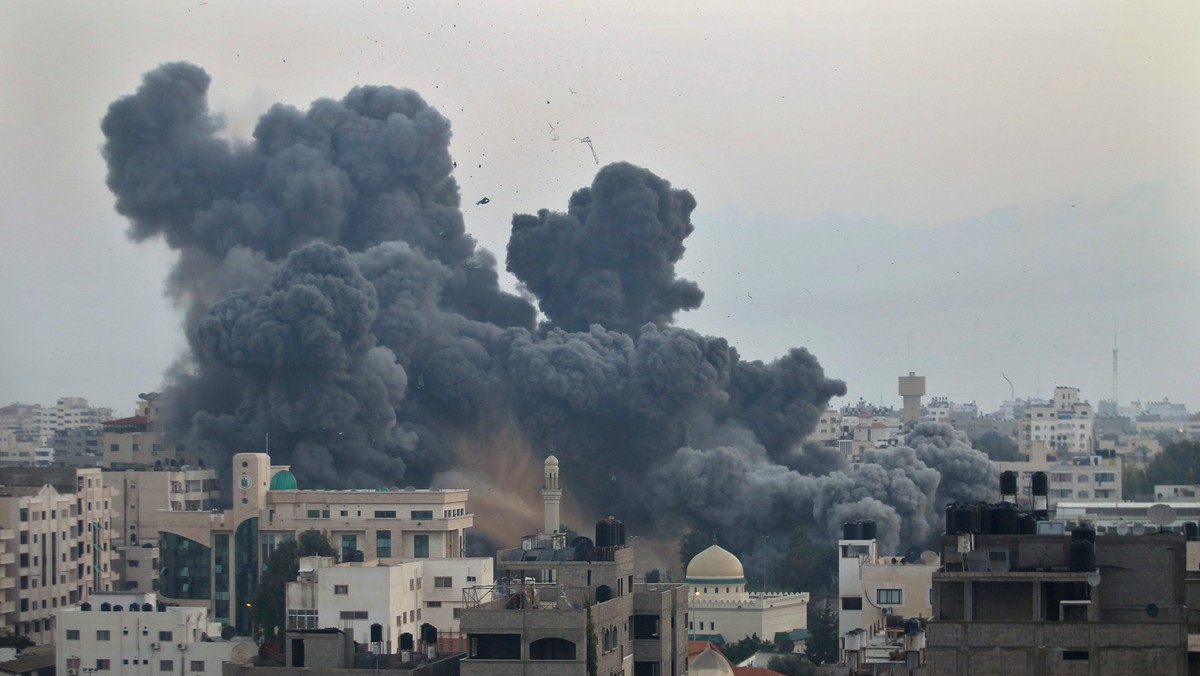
column 1065, row 426
column 70, row 413
column 875, row 594
column 131, row 633
column 384, row 604
column 829, row 426
column 57, row 527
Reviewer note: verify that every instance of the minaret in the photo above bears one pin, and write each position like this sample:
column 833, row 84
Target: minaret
column 551, row 494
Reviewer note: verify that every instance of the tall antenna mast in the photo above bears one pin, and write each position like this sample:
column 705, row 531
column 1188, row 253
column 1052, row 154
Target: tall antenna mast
column 1116, row 400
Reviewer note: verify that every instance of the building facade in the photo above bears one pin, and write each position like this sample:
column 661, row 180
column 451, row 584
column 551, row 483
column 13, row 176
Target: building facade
column 722, row 611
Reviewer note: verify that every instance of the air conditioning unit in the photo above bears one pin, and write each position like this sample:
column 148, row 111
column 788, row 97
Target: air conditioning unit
column 72, row 672
column 182, row 646
column 154, row 646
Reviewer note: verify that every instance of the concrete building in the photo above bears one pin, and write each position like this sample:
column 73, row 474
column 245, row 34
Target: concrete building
column 723, row 611
column 535, row 620
column 1064, row 426
column 1032, row 604
column 79, row 446
column 213, row 559
column 390, row 605
column 131, row 633
column 57, row 528
column 877, row 594
column 69, row 413
column 912, row 388
column 1081, row 479
column 829, row 426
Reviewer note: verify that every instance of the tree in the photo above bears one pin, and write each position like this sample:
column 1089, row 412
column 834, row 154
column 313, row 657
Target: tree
column 593, row 660
column 1179, row 463
column 692, row 544
column 736, row 652
column 999, row 447
column 653, row 575
column 792, row 665
column 806, row 566
column 822, row 647
column 268, row 604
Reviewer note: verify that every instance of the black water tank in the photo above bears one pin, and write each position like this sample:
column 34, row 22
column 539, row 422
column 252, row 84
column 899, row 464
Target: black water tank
column 1041, row 515
column 1028, row 524
column 603, row 593
column 1008, row 483
column 1005, row 519
column 950, row 529
column 1082, row 556
column 604, row 533
column 912, row 626
column 966, row 519
column 1041, row 483
column 1084, row 533
column 868, row 529
column 986, row 527
column 1191, row 530
column 852, row 530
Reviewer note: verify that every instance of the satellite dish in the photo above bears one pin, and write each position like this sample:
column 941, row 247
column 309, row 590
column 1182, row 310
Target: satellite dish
column 1139, row 528
column 1122, row 528
column 1161, row 515
column 930, row 558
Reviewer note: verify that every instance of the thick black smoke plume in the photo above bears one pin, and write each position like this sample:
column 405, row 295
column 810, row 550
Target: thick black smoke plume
column 333, row 299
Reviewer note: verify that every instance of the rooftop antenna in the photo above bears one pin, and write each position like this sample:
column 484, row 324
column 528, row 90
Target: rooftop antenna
column 1116, row 400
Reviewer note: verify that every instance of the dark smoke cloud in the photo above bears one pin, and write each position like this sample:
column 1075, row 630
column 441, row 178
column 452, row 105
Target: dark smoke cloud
column 610, row 259
column 332, row 298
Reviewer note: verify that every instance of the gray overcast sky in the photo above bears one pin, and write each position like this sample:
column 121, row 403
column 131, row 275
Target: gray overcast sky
column 994, row 183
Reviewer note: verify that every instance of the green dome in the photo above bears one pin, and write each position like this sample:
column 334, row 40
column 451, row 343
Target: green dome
column 283, row 480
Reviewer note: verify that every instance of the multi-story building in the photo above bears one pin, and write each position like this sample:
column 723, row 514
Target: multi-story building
column 721, row 610
column 69, row 413
column 1064, row 426
column 877, row 594
column 213, row 558
column 829, row 426
column 132, row 633
column 137, row 441
column 1084, row 478
column 551, row 593
column 390, row 605
column 79, row 446
column 60, row 526
column 1057, row 604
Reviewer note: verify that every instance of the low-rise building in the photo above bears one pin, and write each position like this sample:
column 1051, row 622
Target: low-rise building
column 1080, row 479
column 132, row 633
column 723, row 611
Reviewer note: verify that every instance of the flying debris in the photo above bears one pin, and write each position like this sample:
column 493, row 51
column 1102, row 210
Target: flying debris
column 420, row 381
column 472, row 263
column 588, row 141
column 483, row 201
column 553, row 132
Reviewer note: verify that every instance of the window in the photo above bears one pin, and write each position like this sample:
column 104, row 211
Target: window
column 443, row 582
column 135, row 563
column 353, row 615
column 165, row 636
column 421, row 546
column 342, row 589
column 314, row 513
column 457, row 613
column 324, row 513
column 852, row 603
column 196, row 665
column 888, row 596
column 385, row 514
column 422, row 514
column 166, row 665
column 433, row 604
column 72, row 634
column 383, row 543
column 103, row 665
column 302, row 619
column 103, row 635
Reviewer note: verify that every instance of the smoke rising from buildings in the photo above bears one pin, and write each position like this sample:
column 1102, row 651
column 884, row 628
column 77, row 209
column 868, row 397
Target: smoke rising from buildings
column 332, row 298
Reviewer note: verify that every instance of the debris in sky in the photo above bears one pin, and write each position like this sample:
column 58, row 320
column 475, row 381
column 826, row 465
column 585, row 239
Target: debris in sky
column 553, row 132
column 572, row 90
column 485, row 200
column 588, row 141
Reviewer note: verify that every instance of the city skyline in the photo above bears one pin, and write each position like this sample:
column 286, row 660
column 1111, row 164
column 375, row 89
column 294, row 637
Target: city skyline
column 959, row 193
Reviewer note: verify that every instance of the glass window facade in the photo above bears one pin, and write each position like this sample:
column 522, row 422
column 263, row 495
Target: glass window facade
column 383, row 543
column 245, row 554
column 349, row 544
column 421, row 546
column 221, row 577
column 186, row 567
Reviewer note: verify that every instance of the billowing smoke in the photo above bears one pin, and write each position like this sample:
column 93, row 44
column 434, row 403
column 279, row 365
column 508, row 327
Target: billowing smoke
column 333, row 300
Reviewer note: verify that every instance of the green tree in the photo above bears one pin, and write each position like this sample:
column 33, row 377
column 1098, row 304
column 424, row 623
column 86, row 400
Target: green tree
column 736, row 652
column 653, row 575
column 806, row 566
column 999, row 447
column 593, row 660
column 792, row 665
column 822, row 647
column 692, row 544
column 1179, row 463
column 268, row 604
